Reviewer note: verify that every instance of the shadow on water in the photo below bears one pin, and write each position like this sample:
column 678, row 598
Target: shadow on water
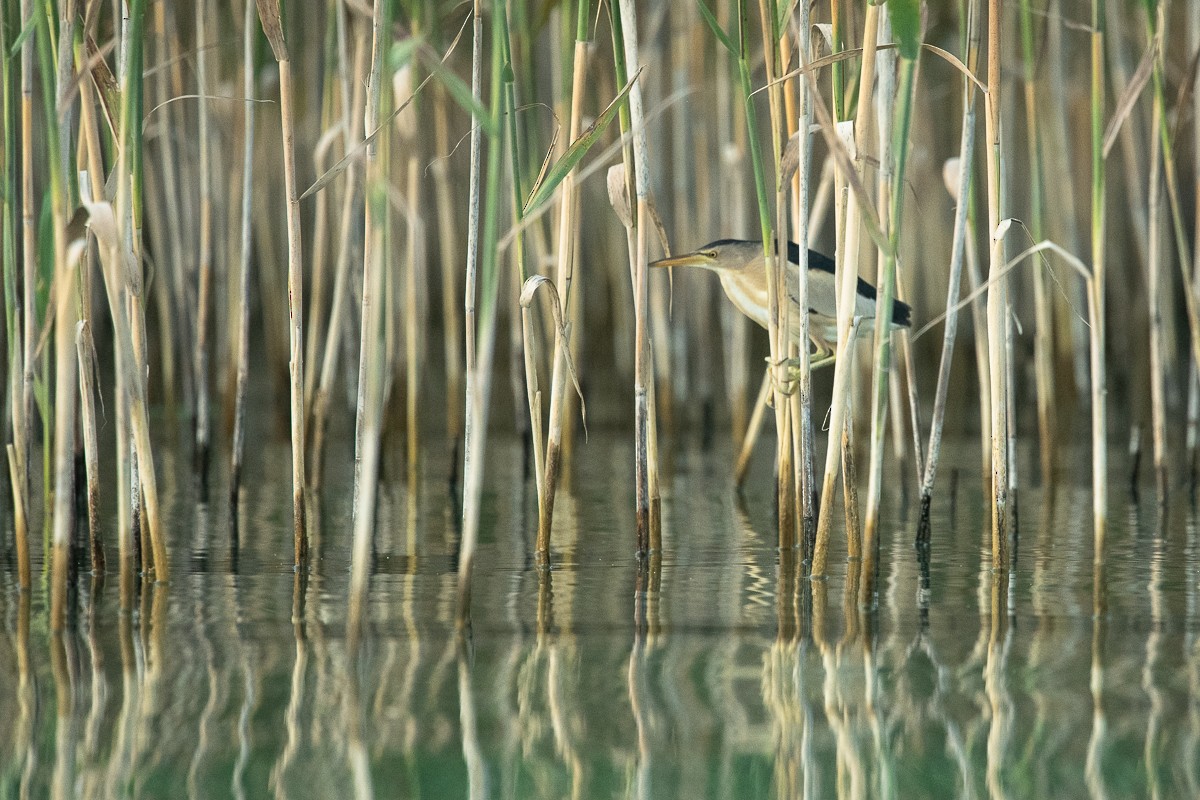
column 714, row 668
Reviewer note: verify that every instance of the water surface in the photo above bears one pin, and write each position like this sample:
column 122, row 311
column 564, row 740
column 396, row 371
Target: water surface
column 714, row 671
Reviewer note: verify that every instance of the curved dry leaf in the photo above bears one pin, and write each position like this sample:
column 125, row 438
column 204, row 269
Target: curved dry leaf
column 826, row 31
column 950, row 175
column 618, row 194
column 1002, row 229
column 103, row 222
column 789, row 163
column 560, row 331
column 402, row 91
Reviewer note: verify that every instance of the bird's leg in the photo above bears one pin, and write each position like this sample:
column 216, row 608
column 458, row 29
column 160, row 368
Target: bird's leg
column 823, row 354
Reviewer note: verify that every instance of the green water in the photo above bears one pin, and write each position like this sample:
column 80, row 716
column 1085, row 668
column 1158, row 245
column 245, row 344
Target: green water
column 712, row 673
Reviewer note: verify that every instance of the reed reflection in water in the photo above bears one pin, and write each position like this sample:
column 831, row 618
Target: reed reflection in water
column 713, row 671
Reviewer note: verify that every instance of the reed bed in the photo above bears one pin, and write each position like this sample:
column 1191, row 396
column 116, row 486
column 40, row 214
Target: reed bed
column 193, row 199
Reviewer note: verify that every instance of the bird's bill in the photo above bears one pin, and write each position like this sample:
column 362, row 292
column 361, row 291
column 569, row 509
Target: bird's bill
column 686, row 260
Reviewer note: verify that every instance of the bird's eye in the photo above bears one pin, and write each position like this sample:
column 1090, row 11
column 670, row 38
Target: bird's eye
column 709, row 253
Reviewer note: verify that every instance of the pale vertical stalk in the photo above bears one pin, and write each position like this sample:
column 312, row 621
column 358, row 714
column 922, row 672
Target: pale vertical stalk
column 28, row 248
column 1099, row 272
column 133, row 356
column 269, row 14
column 87, row 396
column 16, row 370
column 204, row 245
column 168, row 172
column 20, row 519
column 1063, row 158
column 1154, row 303
column 847, row 282
column 778, row 310
column 480, row 337
column 642, row 364
column 90, row 134
column 249, row 35
column 450, row 259
column 883, row 316
column 997, row 296
column 412, row 312
column 332, row 85
column 732, row 216
column 1193, row 429
column 295, row 308
column 962, row 197
column 979, row 325
column 341, row 279
column 64, row 310
column 1154, row 13
column 564, row 277
column 802, row 406
column 1043, row 343
column 370, row 365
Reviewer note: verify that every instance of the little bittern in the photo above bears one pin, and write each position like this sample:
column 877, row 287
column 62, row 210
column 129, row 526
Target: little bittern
column 743, row 272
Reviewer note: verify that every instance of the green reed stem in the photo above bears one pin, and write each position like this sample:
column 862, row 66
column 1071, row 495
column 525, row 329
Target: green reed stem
column 1044, row 336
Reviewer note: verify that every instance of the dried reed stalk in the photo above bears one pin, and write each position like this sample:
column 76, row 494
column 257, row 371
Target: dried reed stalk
column 958, row 183
column 847, row 278
column 242, row 361
column 352, row 123
column 568, row 231
column 269, row 14
column 997, row 303
column 371, row 365
column 204, row 246
column 85, row 350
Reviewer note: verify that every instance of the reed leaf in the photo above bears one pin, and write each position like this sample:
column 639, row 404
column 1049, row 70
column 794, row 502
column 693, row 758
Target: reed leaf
column 579, row 148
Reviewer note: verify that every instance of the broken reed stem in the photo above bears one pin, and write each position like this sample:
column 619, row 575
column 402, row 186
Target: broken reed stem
column 997, row 303
column 847, row 278
column 91, row 450
column 1043, row 342
column 961, row 192
column 204, row 247
column 249, row 36
column 568, row 230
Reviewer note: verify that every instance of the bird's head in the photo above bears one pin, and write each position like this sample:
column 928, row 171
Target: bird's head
column 723, row 255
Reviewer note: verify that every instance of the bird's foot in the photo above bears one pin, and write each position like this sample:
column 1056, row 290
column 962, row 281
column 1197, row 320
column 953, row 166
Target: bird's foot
column 785, row 377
